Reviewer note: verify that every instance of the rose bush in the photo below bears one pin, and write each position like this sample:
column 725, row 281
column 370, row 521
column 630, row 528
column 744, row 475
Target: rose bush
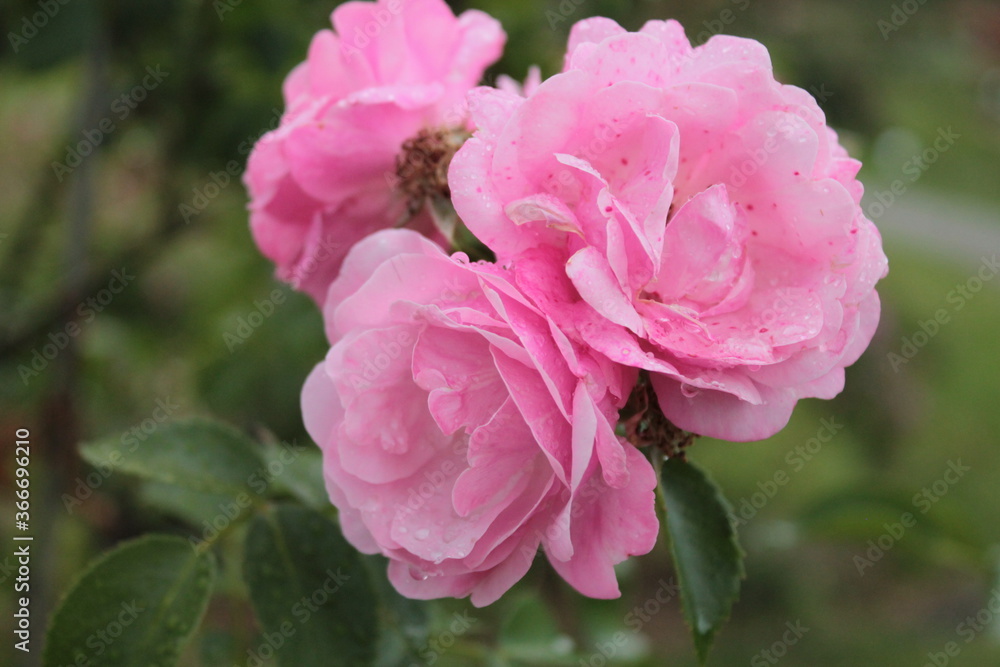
column 461, row 430
column 324, row 178
column 681, row 212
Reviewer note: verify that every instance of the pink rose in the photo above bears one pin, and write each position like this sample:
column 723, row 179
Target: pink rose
column 682, row 212
column 326, row 177
column 460, row 430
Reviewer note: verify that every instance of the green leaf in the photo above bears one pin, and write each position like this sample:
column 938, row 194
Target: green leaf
column 297, row 472
column 197, row 454
column 310, row 590
column 136, row 606
column 192, row 506
column 404, row 623
column 530, row 633
column 706, row 553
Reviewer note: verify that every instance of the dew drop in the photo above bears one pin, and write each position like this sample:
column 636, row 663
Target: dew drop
column 689, row 391
column 691, row 326
column 793, row 331
column 422, row 534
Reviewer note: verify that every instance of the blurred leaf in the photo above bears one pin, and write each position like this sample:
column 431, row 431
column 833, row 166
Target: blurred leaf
column 404, row 623
column 865, row 517
column 187, row 504
column 852, row 514
column 198, row 454
column 262, row 376
column 135, row 606
column 298, row 472
column 706, row 554
column 531, row 633
column 310, row 590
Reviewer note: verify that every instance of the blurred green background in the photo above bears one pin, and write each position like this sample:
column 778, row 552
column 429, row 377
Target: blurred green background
column 172, row 91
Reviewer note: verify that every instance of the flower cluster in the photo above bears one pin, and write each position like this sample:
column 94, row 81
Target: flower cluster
column 660, row 219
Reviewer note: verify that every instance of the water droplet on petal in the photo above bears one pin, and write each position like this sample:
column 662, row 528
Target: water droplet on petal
column 422, row 534
column 689, row 391
column 794, row 331
column 692, row 327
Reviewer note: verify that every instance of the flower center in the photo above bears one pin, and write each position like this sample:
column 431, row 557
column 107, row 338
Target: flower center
column 643, row 423
column 422, row 166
